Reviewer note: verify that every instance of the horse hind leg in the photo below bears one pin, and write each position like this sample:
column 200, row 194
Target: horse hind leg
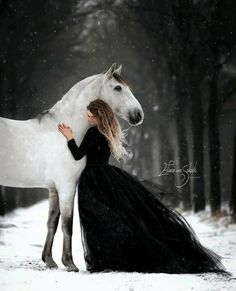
column 52, row 223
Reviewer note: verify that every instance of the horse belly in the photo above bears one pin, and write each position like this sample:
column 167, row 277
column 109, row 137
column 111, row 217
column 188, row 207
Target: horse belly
column 20, row 168
column 20, row 173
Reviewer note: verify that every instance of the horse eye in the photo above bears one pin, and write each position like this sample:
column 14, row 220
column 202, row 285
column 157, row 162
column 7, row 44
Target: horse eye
column 117, row 88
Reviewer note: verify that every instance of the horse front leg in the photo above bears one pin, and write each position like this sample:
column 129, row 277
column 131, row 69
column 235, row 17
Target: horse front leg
column 52, row 223
column 66, row 201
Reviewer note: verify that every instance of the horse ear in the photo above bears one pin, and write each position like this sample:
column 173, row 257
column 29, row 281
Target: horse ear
column 118, row 70
column 110, row 71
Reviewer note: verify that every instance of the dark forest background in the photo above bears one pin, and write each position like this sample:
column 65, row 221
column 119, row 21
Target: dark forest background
column 179, row 57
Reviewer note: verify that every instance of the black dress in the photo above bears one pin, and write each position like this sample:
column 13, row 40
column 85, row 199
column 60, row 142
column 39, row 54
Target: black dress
column 125, row 227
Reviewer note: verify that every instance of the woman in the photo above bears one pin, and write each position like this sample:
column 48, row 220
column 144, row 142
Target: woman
column 124, row 226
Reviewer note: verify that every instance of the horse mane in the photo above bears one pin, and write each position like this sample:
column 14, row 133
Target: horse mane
column 81, row 84
column 40, row 115
column 120, row 79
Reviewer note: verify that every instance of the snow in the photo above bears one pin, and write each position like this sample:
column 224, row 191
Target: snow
column 22, row 235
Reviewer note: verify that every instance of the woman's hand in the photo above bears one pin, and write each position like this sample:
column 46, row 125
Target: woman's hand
column 65, row 130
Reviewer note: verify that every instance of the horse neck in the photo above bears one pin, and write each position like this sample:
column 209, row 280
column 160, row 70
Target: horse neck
column 71, row 109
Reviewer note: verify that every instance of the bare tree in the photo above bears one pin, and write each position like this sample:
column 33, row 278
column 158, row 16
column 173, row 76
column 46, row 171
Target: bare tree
column 233, row 193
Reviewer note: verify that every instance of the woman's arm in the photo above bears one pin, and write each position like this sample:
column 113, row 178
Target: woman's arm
column 77, row 152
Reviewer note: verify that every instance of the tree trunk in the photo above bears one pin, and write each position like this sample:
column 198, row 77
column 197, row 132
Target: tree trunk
column 183, row 158
column 2, row 207
column 233, row 193
column 199, row 201
column 166, row 155
column 214, row 147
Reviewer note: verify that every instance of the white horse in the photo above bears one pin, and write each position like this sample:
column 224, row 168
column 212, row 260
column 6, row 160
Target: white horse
column 33, row 153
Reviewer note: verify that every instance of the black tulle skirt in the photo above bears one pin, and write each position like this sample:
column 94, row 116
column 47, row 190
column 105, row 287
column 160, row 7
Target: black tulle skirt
column 125, row 227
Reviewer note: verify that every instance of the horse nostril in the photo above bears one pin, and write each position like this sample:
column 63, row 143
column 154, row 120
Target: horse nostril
column 139, row 115
column 135, row 116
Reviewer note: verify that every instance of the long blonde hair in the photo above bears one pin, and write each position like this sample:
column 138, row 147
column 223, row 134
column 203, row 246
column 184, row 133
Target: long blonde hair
column 109, row 126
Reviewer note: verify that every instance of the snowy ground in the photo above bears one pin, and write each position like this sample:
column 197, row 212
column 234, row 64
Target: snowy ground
column 22, row 235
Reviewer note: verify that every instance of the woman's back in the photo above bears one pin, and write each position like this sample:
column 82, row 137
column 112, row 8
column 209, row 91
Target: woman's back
column 94, row 145
column 98, row 148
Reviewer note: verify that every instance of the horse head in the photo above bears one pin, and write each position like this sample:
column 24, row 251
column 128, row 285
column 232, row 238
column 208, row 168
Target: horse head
column 116, row 92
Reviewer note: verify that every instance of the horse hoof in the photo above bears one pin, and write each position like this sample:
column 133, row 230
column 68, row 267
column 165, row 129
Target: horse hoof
column 72, row 269
column 51, row 265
